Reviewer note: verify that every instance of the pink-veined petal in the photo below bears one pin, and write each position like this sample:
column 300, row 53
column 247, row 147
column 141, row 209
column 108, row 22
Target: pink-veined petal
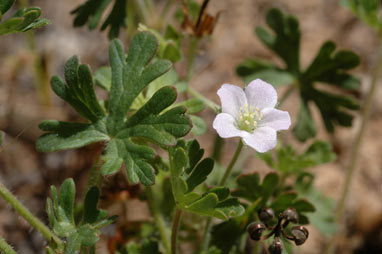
column 274, row 118
column 261, row 94
column 262, row 139
column 232, row 98
column 225, row 126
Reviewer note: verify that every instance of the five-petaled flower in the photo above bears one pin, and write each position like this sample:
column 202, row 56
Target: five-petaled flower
column 250, row 114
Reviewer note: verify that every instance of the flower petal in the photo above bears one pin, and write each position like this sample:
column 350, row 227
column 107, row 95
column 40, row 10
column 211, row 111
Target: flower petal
column 262, row 139
column 261, row 94
column 225, row 126
column 275, row 119
column 232, row 98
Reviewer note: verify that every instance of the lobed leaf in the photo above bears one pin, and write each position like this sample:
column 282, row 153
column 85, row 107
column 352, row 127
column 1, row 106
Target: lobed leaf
column 61, row 217
column 329, row 67
column 22, row 20
column 92, row 11
column 188, row 172
column 124, row 130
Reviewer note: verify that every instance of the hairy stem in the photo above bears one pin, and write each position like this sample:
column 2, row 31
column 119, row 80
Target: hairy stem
column 212, row 105
column 175, row 231
column 206, row 235
column 28, row 216
column 191, row 54
column 358, row 140
column 232, row 163
column 5, row 248
column 163, row 230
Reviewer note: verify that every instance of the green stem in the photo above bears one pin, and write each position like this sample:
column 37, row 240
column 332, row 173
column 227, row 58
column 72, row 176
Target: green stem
column 40, row 75
column 212, row 105
column 206, row 235
column 163, row 230
column 193, row 46
column 358, row 140
column 287, row 93
column 175, row 231
column 131, row 26
column 143, row 10
column 5, row 248
column 232, row 163
column 28, row 216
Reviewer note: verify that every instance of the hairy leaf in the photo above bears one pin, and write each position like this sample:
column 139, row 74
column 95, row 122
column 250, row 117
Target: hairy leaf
column 188, row 172
column 61, row 217
column 22, row 20
column 124, row 130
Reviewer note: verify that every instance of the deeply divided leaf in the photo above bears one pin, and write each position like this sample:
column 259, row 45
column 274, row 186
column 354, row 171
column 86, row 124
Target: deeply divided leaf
column 125, row 131
column 188, row 171
column 329, row 67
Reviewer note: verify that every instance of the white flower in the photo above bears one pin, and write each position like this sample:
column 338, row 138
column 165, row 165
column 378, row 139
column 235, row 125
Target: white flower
column 251, row 115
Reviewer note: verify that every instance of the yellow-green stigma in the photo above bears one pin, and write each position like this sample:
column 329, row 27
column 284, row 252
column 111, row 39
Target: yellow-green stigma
column 249, row 117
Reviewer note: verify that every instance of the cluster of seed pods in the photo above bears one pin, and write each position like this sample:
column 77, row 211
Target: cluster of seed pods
column 256, row 229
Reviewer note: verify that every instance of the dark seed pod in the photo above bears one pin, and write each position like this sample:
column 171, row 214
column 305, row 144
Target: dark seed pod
column 255, row 230
column 276, row 247
column 300, row 234
column 265, row 214
column 291, row 215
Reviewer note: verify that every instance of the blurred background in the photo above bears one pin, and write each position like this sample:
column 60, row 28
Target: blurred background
column 28, row 60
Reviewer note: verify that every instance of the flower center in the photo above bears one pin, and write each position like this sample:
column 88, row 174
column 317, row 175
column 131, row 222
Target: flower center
column 249, row 117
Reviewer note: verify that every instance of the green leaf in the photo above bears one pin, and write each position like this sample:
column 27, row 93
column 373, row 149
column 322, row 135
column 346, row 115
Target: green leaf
column 305, row 127
column 248, row 186
column 329, row 67
column 283, row 201
column 288, row 162
column 88, row 235
column 199, row 125
column 365, row 10
column 67, row 196
column 102, row 78
column 286, row 40
column 200, row 173
column 116, row 19
column 61, row 217
column 131, row 77
column 172, row 52
column 187, row 173
column 251, row 69
column 193, row 105
column 323, row 219
column 226, row 235
column 92, row 11
column 147, row 246
column 5, row 5
column 66, row 135
column 21, row 21
column 91, row 213
column 126, row 131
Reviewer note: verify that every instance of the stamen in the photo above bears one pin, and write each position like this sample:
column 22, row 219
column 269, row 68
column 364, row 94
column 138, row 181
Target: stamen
column 249, row 117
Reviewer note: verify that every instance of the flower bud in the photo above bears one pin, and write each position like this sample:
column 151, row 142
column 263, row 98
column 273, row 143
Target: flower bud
column 291, row 215
column 265, row 214
column 276, row 247
column 300, row 234
column 255, row 230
